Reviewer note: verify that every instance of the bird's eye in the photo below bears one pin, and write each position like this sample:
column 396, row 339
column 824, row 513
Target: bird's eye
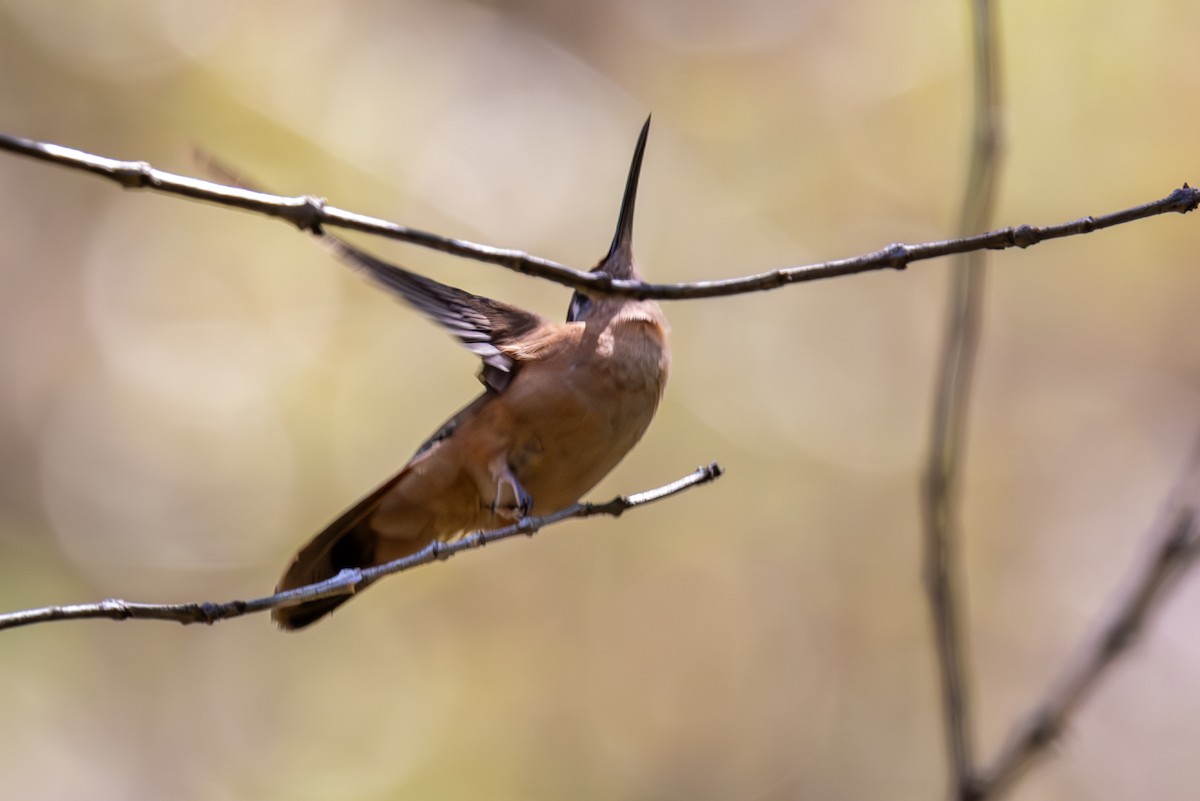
column 580, row 304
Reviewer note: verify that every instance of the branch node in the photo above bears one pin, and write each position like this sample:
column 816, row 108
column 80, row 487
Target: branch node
column 614, row 508
column 1024, row 236
column 115, row 608
column 135, row 175
column 897, row 255
column 1185, row 199
column 310, row 215
column 1045, row 730
column 210, row 612
column 348, row 577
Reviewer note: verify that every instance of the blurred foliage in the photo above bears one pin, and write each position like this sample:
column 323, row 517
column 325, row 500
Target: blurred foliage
column 187, row 393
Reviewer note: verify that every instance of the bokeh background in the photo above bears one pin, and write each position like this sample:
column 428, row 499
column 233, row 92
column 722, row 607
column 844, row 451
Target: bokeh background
column 187, row 393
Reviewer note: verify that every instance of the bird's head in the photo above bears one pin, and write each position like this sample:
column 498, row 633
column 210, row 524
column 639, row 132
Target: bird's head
column 619, row 261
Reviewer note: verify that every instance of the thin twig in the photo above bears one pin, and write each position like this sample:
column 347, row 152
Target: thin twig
column 943, row 473
column 350, row 580
column 311, row 214
column 1173, row 554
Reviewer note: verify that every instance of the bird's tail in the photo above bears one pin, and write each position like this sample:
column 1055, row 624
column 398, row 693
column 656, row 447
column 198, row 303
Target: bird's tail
column 348, row 542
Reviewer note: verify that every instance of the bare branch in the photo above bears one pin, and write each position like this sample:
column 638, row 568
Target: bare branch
column 1171, row 556
column 943, row 472
column 311, row 214
column 351, row 580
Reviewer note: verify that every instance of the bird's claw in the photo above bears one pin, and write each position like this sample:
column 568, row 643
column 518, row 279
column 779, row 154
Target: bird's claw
column 519, row 502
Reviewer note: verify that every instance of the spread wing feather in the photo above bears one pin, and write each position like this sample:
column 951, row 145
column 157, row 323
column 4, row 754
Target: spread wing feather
column 483, row 325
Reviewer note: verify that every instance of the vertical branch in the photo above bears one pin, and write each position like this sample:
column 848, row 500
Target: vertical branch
column 941, row 487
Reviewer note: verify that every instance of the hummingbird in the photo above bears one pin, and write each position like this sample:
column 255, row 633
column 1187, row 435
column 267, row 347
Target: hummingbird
column 562, row 404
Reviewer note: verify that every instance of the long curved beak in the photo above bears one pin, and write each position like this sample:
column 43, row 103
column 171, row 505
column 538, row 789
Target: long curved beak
column 618, row 263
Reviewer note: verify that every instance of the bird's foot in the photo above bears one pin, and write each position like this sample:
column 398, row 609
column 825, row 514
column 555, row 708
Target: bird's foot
column 511, row 502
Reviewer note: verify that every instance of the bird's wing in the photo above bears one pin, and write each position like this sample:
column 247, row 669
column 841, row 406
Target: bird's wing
column 490, row 329
column 484, row 325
